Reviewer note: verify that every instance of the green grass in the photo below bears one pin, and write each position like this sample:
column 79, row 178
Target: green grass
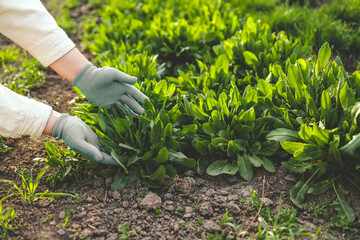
column 28, row 189
column 6, row 216
column 20, row 73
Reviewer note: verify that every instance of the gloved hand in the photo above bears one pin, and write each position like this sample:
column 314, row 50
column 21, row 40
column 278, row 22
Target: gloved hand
column 80, row 138
column 106, row 86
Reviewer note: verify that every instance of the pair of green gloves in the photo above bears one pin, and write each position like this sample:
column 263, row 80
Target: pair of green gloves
column 104, row 87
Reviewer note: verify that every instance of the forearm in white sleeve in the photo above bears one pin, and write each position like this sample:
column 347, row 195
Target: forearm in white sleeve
column 21, row 116
column 31, row 26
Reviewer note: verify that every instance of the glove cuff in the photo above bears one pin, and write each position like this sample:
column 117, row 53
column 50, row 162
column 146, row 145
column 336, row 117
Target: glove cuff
column 83, row 76
column 59, row 126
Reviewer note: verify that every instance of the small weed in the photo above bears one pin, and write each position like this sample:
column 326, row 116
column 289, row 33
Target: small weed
column 282, row 224
column 28, row 187
column 47, row 219
column 336, row 222
column 6, row 216
column 195, row 207
column 66, row 218
column 318, row 208
column 201, row 221
column 180, row 211
column 67, row 162
column 225, row 219
column 158, row 211
column 177, row 189
column 124, row 231
column 143, row 193
column 254, row 201
column 183, row 225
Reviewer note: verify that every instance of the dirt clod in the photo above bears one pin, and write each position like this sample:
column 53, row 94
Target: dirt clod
column 205, row 209
column 234, row 208
column 211, row 226
column 151, row 201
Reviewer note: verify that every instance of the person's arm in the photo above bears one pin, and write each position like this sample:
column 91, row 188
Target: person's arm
column 69, row 65
column 54, row 116
column 29, row 24
column 21, row 116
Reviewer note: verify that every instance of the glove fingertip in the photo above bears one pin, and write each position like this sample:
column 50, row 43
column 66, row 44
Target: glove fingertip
column 132, row 80
column 107, row 159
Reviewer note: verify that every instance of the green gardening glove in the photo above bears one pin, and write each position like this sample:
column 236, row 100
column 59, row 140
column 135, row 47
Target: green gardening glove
column 106, row 86
column 80, row 138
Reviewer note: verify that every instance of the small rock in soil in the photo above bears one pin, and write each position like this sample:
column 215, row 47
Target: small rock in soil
column 188, row 209
column 200, row 182
column 98, row 182
column 151, row 201
column 243, row 192
column 61, row 232
column 232, row 179
column 187, row 215
column 189, row 173
column 125, row 204
column 267, row 202
column 44, row 203
column 191, row 181
column 88, row 199
column 101, row 232
column 116, row 195
column 176, row 227
column 62, row 215
column 224, row 193
column 168, row 196
column 210, row 225
column 210, row 193
column 220, row 199
column 86, row 233
column 233, row 208
column 108, row 181
column 290, row 178
column 232, row 198
column 184, row 186
column 205, row 209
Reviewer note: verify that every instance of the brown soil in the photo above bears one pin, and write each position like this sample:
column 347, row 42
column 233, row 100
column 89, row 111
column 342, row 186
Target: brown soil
column 191, row 207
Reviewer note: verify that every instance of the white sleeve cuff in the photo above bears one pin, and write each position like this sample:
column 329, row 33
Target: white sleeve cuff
column 52, row 48
column 35, row 119
column 21, row 116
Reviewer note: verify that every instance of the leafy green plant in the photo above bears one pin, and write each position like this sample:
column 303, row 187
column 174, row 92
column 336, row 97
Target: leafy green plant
column 66, row 161
column 144, row 146
column 20, row 73
column 233, row 93
column 326, row 116
column 28, row 188
column 6, row 216
column 4, row 148
column 252, row 50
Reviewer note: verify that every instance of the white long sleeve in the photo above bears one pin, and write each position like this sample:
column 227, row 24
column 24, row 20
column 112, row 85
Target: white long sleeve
column 21, row 116
column 29, row 24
